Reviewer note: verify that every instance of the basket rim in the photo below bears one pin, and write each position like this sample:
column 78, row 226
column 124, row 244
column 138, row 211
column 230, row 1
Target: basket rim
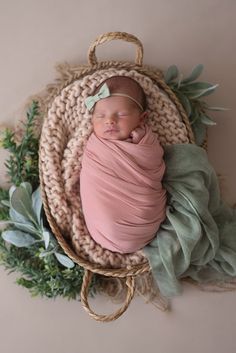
column 77, row 73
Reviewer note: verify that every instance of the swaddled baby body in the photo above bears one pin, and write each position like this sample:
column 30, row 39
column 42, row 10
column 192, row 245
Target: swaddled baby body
column 123, row 200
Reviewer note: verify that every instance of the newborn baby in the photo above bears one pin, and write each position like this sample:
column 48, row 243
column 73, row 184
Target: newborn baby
column 123, row 200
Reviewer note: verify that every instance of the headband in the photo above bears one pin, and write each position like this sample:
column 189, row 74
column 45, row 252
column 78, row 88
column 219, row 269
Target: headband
column 104, row 92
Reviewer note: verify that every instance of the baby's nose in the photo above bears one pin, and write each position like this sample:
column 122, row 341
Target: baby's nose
column 111, row 119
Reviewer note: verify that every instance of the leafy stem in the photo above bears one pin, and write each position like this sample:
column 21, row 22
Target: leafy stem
column 25, row 215
column 190, row 94
column 29, row 247
column 22, row 164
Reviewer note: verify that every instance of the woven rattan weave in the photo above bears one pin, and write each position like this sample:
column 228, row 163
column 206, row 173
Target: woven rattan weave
column 65, row 130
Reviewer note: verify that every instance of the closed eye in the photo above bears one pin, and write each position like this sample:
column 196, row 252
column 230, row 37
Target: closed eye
column 123, row 114
column 99, row 116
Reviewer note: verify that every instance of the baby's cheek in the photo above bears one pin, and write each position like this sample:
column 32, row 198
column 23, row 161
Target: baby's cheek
column 96, row 125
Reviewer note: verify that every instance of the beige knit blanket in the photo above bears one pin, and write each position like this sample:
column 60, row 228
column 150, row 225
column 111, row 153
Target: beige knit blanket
column 66, row 130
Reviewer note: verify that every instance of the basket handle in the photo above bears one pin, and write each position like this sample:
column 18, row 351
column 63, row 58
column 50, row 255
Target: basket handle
column 107, row 37
column 105, row 318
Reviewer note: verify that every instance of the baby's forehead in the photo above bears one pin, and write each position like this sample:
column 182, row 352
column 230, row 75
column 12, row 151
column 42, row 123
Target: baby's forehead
column 120, row 83
column 115, row 103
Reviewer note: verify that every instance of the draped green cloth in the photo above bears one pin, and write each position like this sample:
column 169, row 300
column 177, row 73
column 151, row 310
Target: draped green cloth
column 198, row 237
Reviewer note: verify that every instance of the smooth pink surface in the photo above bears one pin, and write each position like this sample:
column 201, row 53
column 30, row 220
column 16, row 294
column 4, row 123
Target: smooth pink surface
column 120, row 185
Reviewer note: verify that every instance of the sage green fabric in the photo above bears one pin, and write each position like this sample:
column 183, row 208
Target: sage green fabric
column 198, row 237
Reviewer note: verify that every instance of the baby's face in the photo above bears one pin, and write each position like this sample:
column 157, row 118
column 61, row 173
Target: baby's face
column 115, row 117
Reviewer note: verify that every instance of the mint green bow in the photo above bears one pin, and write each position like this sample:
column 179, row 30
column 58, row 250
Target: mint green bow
column 102, row 93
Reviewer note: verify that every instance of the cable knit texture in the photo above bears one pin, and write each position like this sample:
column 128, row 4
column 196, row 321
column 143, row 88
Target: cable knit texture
column 64, row 136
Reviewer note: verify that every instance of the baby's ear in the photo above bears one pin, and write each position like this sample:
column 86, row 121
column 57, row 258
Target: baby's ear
column 143, row 117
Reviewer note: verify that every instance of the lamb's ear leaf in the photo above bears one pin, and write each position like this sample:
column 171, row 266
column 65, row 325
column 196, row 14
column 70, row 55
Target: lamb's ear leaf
column 185, row 103
column 46, row 238
column 11, row 190
column 44, row 253
column 5, row 203
column 21, row 222
column 217, row 109
column 171, row 73
column 205, row 119
column 64, row 260
column 201, row 92
column 196, row 72
column 199, row 131
column 18, row 238
column 196, row 86
column 27, row 187
column 21, row 202
column 37, row 203
column 17, row 217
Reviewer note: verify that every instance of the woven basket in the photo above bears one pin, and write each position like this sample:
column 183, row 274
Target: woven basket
column 65, row 131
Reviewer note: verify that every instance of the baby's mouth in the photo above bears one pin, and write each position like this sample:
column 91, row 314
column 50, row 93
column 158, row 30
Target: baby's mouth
column 112, row 130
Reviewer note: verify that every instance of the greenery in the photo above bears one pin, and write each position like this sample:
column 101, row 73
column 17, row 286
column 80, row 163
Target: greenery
column 41, row 276
column 27, row 246
column 4, row 214
column 22, row 164
column 190, row 94
column 25, row 214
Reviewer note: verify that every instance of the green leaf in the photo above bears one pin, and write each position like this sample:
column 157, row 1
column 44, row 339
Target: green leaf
column 64, row 260
column 17, row 217
column 179, row 81
column 46, row 237
column 21, row 203
column 196, row 72
column 18, row 238
column 199, row 131
column 37, row 203
column 27, row 187
column 207, row 120
column 171, row 73
column 22, row 226
column 21, row 222
column 196, row 86
column 25, row 283
column 194, row 116
column 46, row 253
column 185, row 103
column 5, row 203
column 23, row 160
column 11, row 190
column 217, row 108
column 52, row 240
column 195, row 94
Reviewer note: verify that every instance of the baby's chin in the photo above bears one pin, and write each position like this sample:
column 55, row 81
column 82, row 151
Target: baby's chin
column 113, row 135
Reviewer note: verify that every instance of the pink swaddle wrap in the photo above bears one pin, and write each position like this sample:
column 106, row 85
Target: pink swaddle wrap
column 122, row 196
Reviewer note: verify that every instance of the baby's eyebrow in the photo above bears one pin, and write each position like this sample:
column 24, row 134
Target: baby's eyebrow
column 99, row 112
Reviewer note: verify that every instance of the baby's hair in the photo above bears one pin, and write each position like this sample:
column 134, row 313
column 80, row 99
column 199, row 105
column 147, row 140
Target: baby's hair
column 126, row 85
